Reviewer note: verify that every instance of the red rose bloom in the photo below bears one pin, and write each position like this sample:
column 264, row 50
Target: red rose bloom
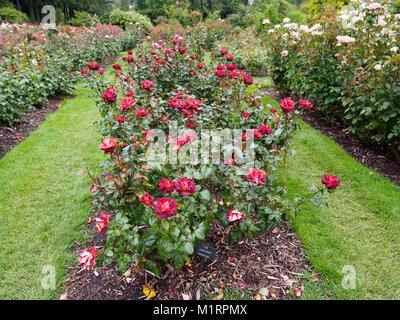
column 165, row 208
column 109, row 96
column 331, row 182
column 147, row 85
column 141, row 113
column 117, row 66
column 231, row 67
column 181, row 50
column 191, row 124
column 257, row 134
column 166, row 186
column 84, row 72
column 127, row 103
column 220, row 73
column 109, row 145
column 147, row 200
column 101, row 72
column 229, row 57
column 175, row 103
column 245, row 114
column 190, row 107
column 287, row 106
column 87, row 258
column 93, row 65
column 305, row 104
column 120, row 119
column 257, row 176
column 200, row 65
column 193, row 57
column 223, row 51
column 265, row 129
column 185, row 186
column 248, row 80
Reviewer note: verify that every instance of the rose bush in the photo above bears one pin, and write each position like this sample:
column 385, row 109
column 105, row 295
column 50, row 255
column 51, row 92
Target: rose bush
column 160, row 195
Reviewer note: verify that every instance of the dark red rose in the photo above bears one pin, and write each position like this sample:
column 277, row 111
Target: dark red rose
column 127, row 103
column 84, row 72
column 120, row 119
column 175, row 103
column 245, row 114
column 257, row 176
column 257, row 134
column 265, row 129
column 117, row 66
column 287, row 106
column 223, row 51
column 190, row 107
column 193, row 57
column 200, row 65
column 166, row 186
column 147, row 200
column 109, row 145
column 165, row 208
column 191, row 124
column 220, row 73
column 248, row 80
column 305, row 104
column 141, row 113
column 93, row 65
column 185, row 186
column 147, row 85
column 101, row 72
column 231, row 67
column 130, row 52
column 109, row 96
column 181, row 50
column 331, row 182
column 229, row 57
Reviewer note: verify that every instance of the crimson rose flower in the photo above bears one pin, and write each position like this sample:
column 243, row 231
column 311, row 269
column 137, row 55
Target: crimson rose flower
column 220, row 73
column 200, row 65
column 181, row 50
column 84, row 72
column 305, row 104
column 165, row 208
column 190, row 107
column 248, row 80
column 223, row 51
column 87, row 258
column 185, row 186
column 147, row 85
column 109, row 145
column 166, row 186
column 120, row 119
column 147, row 200
column 117, row 66
column 127, row 103
column 257, row 176
column 109, row 96
column 141, row 113
column 287, row 105
column 229, row 57
column 265, row 129
column 331, row 182
column 191, row 124
column 93, row 65
column 235, row 215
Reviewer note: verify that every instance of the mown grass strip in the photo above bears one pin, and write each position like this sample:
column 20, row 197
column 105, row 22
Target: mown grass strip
column 43, row 202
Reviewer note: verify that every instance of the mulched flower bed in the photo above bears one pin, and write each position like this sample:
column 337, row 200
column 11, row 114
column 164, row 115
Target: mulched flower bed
column 376, row 157
column 274, row 261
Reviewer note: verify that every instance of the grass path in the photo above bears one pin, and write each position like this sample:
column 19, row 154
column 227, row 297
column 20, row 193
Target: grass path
column 43, row 202
column 360, row 228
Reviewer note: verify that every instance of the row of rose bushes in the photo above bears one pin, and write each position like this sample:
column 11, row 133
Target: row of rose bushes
column 152, row 211
column 36, row 63
column 348, row 64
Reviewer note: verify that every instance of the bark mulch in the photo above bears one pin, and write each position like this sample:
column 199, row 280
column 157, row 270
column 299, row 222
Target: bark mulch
column 275, row 260
column 376, row 157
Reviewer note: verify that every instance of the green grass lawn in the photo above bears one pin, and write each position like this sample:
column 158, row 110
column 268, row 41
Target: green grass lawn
column 360, row 228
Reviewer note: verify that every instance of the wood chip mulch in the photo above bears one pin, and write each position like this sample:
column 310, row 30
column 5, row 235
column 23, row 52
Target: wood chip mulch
column 378, row 158
column 275, row 260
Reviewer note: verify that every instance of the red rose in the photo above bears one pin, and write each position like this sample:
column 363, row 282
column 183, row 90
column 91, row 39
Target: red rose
column 147, row 85
column 235, row 215
column 191, row 124
column 287, row 106
column 101, row 72
column 166, row 186
column 248, row 80
column 120, row 119
column 200, row 65
column 84, row 72
column 93, row 65
column 193, row 57
column 165, row 208
column 331, row 182
column 257, row 134
column 117, row 66
column 257, row 176
column 185, row 186
column 102, row 222
column 305, row 104
column 234, row 74
column 190, row 107
column 130, row 52
column 175, row 103
column 181, row 50
column 141, row 113
column 229, row 57
column 127, row 103
column 245, row 114
column 109, row 145
column 223, row 51
column 147, row 200
column 109, row 96
column 265, row 129
column 220, row 73
column 231, row 67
